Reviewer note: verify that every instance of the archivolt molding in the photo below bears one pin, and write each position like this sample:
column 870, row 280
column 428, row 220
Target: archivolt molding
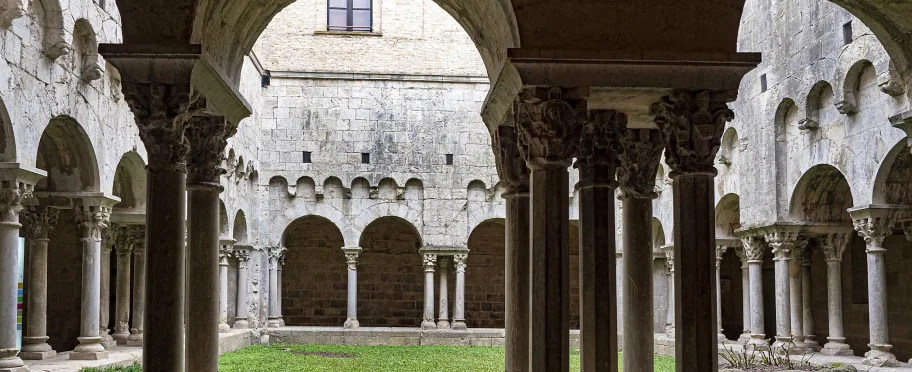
column 350, row 234
column 401, row 210
column 862, row 53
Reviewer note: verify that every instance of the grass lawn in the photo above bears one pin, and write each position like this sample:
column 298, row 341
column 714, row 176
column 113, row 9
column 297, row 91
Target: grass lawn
column 316, row 358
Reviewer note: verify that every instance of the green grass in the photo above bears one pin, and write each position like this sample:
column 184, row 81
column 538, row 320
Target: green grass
column 295, row 358
column 136, row 367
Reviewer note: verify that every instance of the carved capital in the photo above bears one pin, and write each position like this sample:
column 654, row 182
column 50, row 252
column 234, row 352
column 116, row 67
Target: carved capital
column 600, row 146
column 720, row 252
column 693, row 122
column 135, row 236
column 225, row 251
column 208, row 137
column 160, row 112
column 93, row 220
column 11, row 197
column 275, row 254
column 833, row 245
column 669, row 259
column 242, row 255
column 459, row 262
column 782, row 244
column 9, row 11
column 351, row 259
column 907, row 230
column 430, row 260
column 126, row 241
column 640, row 162
column 548, row 127
column 802, row 251
column 513, row 167
column 37, row 222
column 874, row 230
column 754, row 248
column 109, row 237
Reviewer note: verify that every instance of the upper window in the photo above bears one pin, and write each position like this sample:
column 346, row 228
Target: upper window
column 349, row 15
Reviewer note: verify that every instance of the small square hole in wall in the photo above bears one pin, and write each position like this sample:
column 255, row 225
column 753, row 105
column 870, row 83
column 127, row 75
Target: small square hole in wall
column 847, row 33
column 763, row 83
column 449, row 159
column 306, row 157
column 365, row 158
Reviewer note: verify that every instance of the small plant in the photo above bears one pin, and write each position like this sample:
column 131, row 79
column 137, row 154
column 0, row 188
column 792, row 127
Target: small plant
column 743, row 359
column 135, row 367
column 751, row 356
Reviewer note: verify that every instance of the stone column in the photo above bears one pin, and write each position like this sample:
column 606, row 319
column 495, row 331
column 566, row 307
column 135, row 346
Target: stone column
column 274, row 254
column 11, row 195
column 351, row 259
column 796, row 294
column 516, row 273
column 224, row 252
column 37, row 221
column 443, row 315
column 669, row 270
column 874, row 229
column 430, row 260
column 138, row 236
column 833, row 245
column 207, row 135
column 108, row 238
column 281, row 263
column 782, row 244
column 549, row 123
column 92, row 219
column 241, row 312
column 720, row 252
column 642, row 151
column 693, row 122
column 745, row 295
column 807, row 315
column 122, row 308
column 754, row 249
column 459, row 263
column 597, row 163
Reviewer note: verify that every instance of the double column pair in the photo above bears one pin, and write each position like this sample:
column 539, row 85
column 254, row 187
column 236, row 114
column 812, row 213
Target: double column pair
column 552, row 126
column 127, row 241
column 443, row 321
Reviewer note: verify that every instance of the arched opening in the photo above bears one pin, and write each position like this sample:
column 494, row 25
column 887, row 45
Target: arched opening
column 67, row 155
column 314, row 289
column 390, row 275
column 821, row 110
column 822, row 195
column 485, row 286
column 223, row 219
column 894, row 177
column 130, row 184
column 731, row 275
column 240, row 229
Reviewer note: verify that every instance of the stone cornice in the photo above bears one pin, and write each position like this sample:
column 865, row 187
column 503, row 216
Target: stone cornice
column 443, row 250
column 71, row 200
column 895, row 212
column 804, row 229
column 321, row 75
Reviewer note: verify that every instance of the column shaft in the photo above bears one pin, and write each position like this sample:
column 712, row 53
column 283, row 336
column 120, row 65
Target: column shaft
column 720, row 251
column 807, row 313
column 203, row 275
column 351, row 258
column 274, row 294
column 836, row 344
column 163, row 344
column 122, row 308
column 598, row 279
column 280, row 319
column 874, row 227
column 670, row 313
column 35, row 346
column 783, row 303
column 92, row 221
column 516, row 322
column 139, row 291
column 459, row 262
column 550, row 268
column 745, row 301
column 755, row 269
column 9, row 266
column 696, row 331
column 241, row 312
column 443, row 317
column 105, row 303
column 428, row 322
column 796, row 301
column 638, row 300
column 223, row 291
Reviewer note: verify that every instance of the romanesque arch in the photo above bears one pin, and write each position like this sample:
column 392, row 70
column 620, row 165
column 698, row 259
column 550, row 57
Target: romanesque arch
column 130, row 183
column 485, row 286
column 390, row 274
column 891, row 185
column 239, row 232
column 821, row 195
column 819, row 108
column 7, row 137
column 67, row 154
column 223, row 219
column 314, row 275
column 728, row 212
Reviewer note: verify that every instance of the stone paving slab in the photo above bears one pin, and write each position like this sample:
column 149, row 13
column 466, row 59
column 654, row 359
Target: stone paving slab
column 823, row 359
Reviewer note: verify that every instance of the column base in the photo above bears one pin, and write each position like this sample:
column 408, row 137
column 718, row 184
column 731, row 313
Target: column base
column 224, row 328
column 459, row 325
column 273, row 322
column 38, row 355
column 758, row 342
column 106, row 340
column 120, row 337
column 241, row 323
column 351, row 323
column 135, row 339
column 10, row 362
column 811, row 343
column 744, row 338
column 36, row 348
column 428, row 325
column 281, row 322
column 88, row 355
column 669, row 332
column 880, row 356
column 443, row 324
column 721, row 338
column 837, row 348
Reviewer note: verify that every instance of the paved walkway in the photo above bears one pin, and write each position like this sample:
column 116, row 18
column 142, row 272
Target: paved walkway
column 823, row 359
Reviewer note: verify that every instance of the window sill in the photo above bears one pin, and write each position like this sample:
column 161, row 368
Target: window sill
column 347, row 33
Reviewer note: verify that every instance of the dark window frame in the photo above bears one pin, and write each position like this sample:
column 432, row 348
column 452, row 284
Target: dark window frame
column 450, row 159
column 307, row 157
column 365, row 158
column 350, row 17
column 847, row 33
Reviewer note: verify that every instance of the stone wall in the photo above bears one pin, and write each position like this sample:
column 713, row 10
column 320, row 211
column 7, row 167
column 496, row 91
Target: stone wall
column 314, row 289
column 484, row 289
column 64, row 290
column 390, row 276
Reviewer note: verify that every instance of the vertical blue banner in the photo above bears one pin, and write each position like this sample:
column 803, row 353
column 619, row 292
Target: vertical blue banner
column 20, row 297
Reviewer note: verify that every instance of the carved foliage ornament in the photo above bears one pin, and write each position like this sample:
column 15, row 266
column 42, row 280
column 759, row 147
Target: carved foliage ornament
column 720, row 252
column 11, row 197
column 874, row 230
column 37, row 222
column 802, row 251
column 242, row 256
column 515, row 171
column 600, row 145
column 429, row 261
column 93, row 221
column 208, row 137
column 669, row 261
column 459, row 262
column 693, row 123
column 136, row 237
column 782, row 244
column 159, row 111
column 351, row 259
column 833, row 245
column 754, row 248
column 640, row 162
column 549, row 128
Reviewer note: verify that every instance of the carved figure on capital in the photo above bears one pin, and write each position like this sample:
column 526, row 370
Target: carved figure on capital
column 37, row 222
column 720, row 252
column 693, row 122
column 642, row 152
column 93, row 220
column 208, row 136
column 512, row 166
column 669, row 259
column 548, row 125
column 600, row 146
column 834, row 245
column 11, row 197
column 160, row 113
